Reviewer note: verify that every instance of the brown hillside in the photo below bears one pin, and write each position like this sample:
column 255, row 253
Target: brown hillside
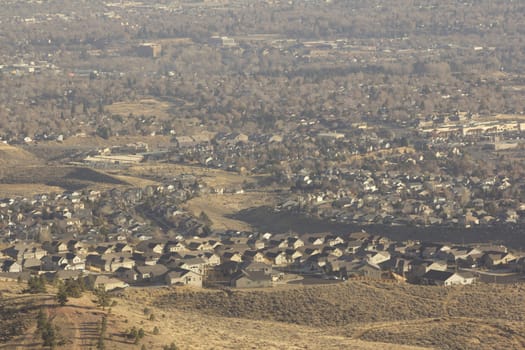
column 79, row 322
column 11, row 156
column 480, row 316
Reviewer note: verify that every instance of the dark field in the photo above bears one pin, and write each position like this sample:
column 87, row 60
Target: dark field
column 265, row 219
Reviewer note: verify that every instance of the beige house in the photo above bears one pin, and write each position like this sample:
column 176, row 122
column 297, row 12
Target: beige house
column 184, row 277
column 108, row 283
column 447, row 278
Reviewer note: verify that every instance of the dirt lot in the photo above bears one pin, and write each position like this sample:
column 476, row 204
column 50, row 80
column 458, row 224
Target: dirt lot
column 146, row 107
column 221, row 208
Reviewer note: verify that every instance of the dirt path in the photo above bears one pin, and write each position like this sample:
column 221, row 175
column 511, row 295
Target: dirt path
column 79, row 321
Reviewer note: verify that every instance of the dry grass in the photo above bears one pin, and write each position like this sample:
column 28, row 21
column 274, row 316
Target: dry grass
column 519, row 117
column 147, row 107
column 213, row 178
column 135, row 181
column 352, row 315
column 188, row 329
column 11, row 156
column 481, row 316
column 25, row 190
column 220, row 208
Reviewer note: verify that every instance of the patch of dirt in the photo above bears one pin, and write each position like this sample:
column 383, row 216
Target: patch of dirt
column 221, row 208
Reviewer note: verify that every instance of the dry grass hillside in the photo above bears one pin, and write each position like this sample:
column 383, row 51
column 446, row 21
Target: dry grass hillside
column 80, row 319
column 13, row 156
column 358, row 315
column 480, row 317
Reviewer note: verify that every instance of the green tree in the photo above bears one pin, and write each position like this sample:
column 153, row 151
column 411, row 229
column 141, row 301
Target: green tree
column 103, row 297
column 62, row 295
column 50, row 335
column 36, row 285
column 41, row 320
column 172, row 346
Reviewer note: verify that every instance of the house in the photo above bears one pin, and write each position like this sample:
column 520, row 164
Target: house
column 293, row 255
column 108, row 283
column 333, row 250
column 231, row 256
column 276, row 258
column 195, row 264
column 294, row 242
column 430, row 251
column 310, row 251
column 210, row 258
column 255, row 244
column 253, row 255
column 54, row 262
column 173, row 247
column 105, row 249
column 118, row 261
column 23, row 251
column 399, row 266
column 154, row 273
column 75, row 246
column 31, row 264
column 251, row 279
column 57, row 247
column 150, row 247
column 334, row 240
column 257, row 267
column 361, row 269
column 95, row 262
column 353, row 247
column 146, row 258
column 314, row 239
column 11, row 266
column 493, row 259
column 447, row 278
column 183, row 277
column 123, row 248
column 420, row 267
column 150, row 273
column 378, row 257
column 74, row 262
column 129, row 275
column 196, row 246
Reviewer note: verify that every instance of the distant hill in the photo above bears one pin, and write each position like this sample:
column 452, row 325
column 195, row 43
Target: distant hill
column 14, row 156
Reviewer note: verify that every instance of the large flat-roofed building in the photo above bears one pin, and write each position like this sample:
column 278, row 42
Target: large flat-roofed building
column 149, row 50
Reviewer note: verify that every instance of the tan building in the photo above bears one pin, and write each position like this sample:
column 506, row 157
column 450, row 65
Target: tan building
column 149, row 50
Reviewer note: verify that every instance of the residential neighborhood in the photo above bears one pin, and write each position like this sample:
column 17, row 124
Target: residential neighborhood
column 247, row 260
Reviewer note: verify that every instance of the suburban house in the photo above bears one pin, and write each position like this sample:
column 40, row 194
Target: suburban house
column 420, row 267
column 447, row 278
column 362, row 269
column 492, row 259
column 251, row 279
column 11, row 266
column 107, row 283
column 154, row 273
column 183, row 277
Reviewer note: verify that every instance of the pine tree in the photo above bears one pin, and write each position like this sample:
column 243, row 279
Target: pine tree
column 62, row 295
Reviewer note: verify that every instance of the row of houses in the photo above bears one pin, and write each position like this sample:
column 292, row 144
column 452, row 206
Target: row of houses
column 250, row 260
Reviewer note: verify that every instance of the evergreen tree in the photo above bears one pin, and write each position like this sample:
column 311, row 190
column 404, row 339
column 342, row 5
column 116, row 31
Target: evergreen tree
column 62, row 295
